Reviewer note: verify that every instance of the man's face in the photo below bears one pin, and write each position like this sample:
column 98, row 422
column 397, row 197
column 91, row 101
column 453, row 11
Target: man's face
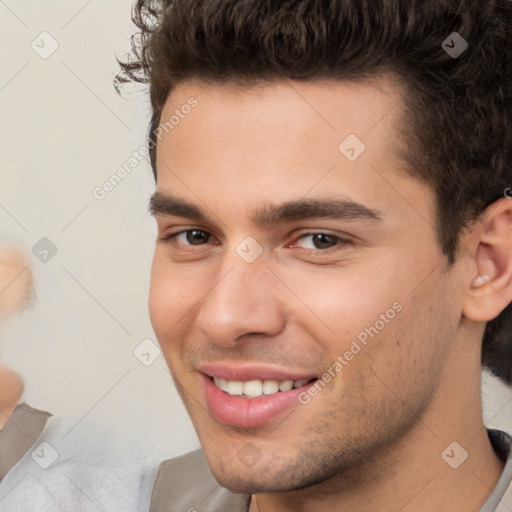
column 306, row 259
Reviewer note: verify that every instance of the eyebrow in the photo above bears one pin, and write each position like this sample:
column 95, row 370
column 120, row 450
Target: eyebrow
column 269, row 215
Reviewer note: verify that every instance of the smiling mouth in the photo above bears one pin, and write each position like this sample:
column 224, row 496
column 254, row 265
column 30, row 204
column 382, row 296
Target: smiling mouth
column 257, row 388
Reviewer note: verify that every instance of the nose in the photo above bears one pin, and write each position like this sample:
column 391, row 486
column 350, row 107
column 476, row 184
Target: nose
column 243, row 300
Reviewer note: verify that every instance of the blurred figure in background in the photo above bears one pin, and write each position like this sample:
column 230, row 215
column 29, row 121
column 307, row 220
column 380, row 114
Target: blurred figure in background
column 20, row 424
column 16, row 288
column 41, row 467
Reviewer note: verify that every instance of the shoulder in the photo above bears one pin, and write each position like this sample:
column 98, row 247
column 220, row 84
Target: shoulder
column 185, row 483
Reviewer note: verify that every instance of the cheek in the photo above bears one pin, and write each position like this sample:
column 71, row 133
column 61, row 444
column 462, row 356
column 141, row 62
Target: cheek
column 167, row 311
column 175, row 297
column 342, row 303
column 167, row 298
column 379, row 313
column 410, row 352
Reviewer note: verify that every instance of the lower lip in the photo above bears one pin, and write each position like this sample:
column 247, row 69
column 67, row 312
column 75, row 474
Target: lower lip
column 249, row 412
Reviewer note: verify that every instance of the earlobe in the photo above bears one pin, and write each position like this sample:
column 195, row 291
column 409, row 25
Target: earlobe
column 490, row 289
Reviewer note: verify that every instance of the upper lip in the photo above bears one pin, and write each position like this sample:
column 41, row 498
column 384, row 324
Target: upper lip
column 238, row 371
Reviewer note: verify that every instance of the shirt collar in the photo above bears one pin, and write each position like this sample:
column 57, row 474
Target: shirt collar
column 19, row 434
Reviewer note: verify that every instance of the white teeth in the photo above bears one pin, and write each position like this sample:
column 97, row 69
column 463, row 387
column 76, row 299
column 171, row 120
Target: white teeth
column 234, row 387
column 221, row 384
column 253, row 388
column 256, row 388
column 286, row 385
column 270, row 387
column 231, row 387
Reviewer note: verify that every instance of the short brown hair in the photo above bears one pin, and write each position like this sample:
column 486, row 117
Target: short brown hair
column 458, row 110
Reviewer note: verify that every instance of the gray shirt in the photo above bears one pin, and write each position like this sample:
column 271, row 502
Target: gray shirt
column 19, row 434
column 185, row 484
column 48, row 465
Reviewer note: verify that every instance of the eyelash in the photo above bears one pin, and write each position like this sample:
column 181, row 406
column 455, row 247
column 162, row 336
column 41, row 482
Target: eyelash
column 171, row 237
column 340, row 241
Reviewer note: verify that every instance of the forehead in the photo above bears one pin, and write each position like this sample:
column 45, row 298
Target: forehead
column 325, row 106
column 307, row 116
column 282, row 140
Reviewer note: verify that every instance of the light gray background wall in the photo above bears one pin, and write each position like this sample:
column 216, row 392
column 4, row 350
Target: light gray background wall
column 64, row 132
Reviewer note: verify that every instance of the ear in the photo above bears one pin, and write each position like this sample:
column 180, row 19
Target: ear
column 490, row 283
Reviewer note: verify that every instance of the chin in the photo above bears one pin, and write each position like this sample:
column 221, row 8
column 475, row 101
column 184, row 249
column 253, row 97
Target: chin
column 251, row 483
column 271, row 474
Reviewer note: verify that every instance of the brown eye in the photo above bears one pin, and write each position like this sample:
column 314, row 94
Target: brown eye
column 196, row 236
column 318, row 241
column 323, row 241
